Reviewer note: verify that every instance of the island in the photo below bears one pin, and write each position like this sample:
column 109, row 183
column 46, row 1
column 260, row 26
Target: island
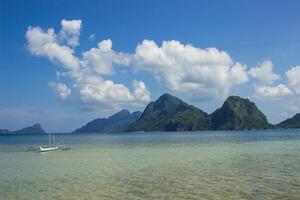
column 169, row 113
column 35, row 129
column 114, row 123
column 293, row 122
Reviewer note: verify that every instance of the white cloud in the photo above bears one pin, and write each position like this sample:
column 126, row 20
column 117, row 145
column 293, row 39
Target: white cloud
column 100, row 60
column 44, row 43
column 93, row 89
column 264, row 73
column 86, row 72
column 293, row 76
column 238, row 74
column 61, row 89
column 203, row 73
column 292, row 87
column 272, row 92
column 265, row 89
column 70, row 31
column 194, row 72
column 140, row 91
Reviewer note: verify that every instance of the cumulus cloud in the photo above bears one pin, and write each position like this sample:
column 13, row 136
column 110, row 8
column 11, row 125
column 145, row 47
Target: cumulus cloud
column 61, row 89
column 195, row 72
column 264, row 73
column 70, row 31
column 186, row 69
column 293, row 76
column 238, row 74
column 91, row 85
column 140, row 91
column 100, row 60
column 44, row 43
column 203, row 73
column 266, row 89
column 85, row 72
column 272, row 92
column 93, row 89
column 199, row 73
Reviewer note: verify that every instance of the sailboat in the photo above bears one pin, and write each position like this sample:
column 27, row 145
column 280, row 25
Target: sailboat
column 51, row 147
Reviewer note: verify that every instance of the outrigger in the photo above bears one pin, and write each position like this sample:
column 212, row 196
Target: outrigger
column 51, row 147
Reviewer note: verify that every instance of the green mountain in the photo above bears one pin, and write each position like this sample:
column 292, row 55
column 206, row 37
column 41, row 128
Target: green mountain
column 239, row 114
column 168, row 113
column 35, row 129
column 114, row 123
column 293, row 122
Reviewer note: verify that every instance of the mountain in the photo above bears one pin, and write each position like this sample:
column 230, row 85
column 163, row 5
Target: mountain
column 4, row 131
column 35, row 129
column 116, row 122
column 168, row 113
column 238, row 114
column 293, row 122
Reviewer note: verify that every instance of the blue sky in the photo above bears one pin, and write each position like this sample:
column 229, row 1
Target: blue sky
column 262, row 36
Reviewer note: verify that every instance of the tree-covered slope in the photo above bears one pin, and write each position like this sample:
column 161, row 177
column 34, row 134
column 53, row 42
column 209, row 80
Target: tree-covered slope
column 239, row 114
column 168, row 113
column 293, row 122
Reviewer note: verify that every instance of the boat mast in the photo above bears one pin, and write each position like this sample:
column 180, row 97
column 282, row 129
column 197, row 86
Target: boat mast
column 49, row 142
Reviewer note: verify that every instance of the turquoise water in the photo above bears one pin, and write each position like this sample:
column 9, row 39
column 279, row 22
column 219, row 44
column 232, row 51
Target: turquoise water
column 198, row 165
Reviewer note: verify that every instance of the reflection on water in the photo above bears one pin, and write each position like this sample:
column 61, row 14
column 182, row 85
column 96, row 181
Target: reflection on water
column 204, row 165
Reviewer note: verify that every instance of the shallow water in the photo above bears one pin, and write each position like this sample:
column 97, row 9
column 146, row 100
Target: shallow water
column 197, row 165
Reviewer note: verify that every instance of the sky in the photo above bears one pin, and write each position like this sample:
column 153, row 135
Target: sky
column 64, row 63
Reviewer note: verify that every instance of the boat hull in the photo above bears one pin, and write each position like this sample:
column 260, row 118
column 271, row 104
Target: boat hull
column 42, row 149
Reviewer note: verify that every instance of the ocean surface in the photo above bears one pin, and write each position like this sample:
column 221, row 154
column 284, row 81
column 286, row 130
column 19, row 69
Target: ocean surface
column 187, row 165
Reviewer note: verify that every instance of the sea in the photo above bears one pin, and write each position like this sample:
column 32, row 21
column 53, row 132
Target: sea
column 153, row 165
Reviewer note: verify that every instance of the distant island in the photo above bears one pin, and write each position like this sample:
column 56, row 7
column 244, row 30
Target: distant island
column 35, row 129
column 116, row 122
column 169, row 113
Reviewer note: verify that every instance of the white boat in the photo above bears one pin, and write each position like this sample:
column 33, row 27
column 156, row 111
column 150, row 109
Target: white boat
column 51, row 147
column 45, row 149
